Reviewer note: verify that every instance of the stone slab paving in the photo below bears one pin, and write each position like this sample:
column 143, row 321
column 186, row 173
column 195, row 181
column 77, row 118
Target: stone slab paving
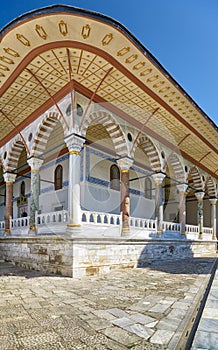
column 124, row 309
column 206, row 336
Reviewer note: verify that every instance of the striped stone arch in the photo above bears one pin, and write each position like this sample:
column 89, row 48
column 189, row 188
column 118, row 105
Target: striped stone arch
column 112, row 127
column 210, row 187
column 196, row 177
column 14, row 153
column 151, row 151
column 177, row 166
column 44, row 130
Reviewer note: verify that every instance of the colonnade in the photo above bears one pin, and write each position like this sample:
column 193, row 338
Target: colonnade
column 75, row 144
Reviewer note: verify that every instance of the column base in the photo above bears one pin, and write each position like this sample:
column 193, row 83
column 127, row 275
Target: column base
column 32, row 230
column 159, row 232
column 183, row 233
column 214, row 237
column 7, row 231
column 200, row 236
column 125, row 231
column 74, row 229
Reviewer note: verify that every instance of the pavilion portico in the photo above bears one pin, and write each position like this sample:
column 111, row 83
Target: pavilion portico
column 98, row 143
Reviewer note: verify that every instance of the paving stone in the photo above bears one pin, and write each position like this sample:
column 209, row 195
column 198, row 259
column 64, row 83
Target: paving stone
column 206, row 340
column 121, row 336
column 50, row 312
column 122, row 322
column 161, row 337
column 98, row 323
column 141, row 331
column 143, row 319
column 118, row 312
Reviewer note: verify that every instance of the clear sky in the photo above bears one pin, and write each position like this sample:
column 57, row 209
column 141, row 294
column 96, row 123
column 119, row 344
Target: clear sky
column 181, row 34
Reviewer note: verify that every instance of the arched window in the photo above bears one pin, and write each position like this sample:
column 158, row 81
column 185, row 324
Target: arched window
column 22, row 189
column 58, row 178
column 114, row 177
column 148, row 188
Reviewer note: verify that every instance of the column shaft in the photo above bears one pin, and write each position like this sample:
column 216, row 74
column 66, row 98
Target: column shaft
column 9, row 206
column 35, row 164
column 125, row 201
column 182, row 211
column 9, row 179
column 159, row 178
column 34, row 205
column 74, row 207
column 213, row 216
column 200, row 216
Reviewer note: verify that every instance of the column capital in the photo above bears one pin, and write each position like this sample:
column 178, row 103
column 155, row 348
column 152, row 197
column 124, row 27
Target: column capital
column 124, row 163
column 9, row 177
column 35, row 163
column 182, row 188
column 74, row 143
column 199, row 195
column 213, row 201
column 158, row 178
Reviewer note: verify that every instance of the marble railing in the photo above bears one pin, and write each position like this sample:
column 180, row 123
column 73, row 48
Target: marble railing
column 171, row 226
column 19, row 222
column 91, row 217
column 195, row 229
column 2, row 225
column 147, row 224
column 52, row 217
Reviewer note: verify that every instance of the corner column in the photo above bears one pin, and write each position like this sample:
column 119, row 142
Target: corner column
column 159, row 201
column 9, row 179
column 213, row 202
column 124, row 165
column 200, row 213
column 35, row 164
column 74, row 144
column 182, row 206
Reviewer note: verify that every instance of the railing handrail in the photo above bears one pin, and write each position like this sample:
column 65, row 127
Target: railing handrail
column 100, row 218
column 59, row 216
column 19, row 222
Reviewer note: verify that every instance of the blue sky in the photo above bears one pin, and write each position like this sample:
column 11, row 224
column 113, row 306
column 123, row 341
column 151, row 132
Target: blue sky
column 181, row 34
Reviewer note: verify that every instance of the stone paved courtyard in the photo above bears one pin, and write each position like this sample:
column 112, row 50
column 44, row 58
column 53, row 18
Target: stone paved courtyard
column 136, row 309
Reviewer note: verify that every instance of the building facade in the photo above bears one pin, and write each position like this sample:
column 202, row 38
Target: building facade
column 97, row 139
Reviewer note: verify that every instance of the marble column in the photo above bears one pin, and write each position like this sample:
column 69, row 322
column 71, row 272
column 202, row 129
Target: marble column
column 124, row 165
column 9, row 179
column 159, row 200
column 200, row 213
column 74, row 144
column 182, row 206
column 35, row 164
column 213, row 202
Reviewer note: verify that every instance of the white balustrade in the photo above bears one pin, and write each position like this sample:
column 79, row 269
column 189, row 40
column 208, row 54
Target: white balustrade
column 19, row 222
column 171, row 226
column 191, row 228
column 146, row 224
column 208, row 230
column 2, row 225
column 52, row 217
column 91, row 217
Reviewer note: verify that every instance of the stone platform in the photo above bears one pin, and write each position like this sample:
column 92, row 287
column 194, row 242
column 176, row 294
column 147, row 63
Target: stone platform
column 78, row 257
column 153, row 307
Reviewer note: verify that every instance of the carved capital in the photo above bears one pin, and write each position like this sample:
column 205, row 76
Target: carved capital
column 35, row 163
column 199, row 195
column 213, row 201
column 9, row 177
column 158, row 179
column 74, row 143
column 124, row 163
column 182, row 188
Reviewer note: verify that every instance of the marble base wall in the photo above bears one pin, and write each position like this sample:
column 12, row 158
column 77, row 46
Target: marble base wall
column 83, row 257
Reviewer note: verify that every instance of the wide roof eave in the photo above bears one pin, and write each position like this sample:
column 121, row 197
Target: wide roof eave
column 57, row 8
